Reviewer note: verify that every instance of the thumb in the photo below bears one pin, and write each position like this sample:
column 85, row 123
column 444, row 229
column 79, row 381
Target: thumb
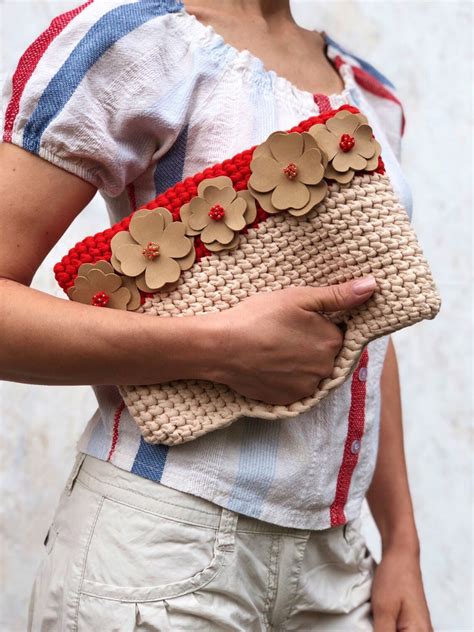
column 333, row 298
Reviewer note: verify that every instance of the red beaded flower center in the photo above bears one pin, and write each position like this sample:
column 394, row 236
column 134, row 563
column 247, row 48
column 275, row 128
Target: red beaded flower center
column 151, row 250
column 217, row 212
column 347, row 142
column 100, row 299
column 290, row 171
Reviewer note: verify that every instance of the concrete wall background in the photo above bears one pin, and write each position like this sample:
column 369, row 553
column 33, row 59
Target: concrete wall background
column 426, row 49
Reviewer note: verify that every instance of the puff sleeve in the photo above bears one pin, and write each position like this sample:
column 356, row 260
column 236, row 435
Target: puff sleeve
column 85, row 93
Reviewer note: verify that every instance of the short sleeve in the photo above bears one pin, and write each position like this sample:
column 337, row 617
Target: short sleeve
column 86, row 94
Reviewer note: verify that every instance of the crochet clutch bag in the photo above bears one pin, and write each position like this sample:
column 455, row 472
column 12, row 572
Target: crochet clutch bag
column 310, row 206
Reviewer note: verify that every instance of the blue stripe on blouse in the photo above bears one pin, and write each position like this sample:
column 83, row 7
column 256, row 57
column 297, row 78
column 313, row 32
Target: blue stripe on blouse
column 110, row 28
column 150, row 460
column 257, row 463
column 206, row 65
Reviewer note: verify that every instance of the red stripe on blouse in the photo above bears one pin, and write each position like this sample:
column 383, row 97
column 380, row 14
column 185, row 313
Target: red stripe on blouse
column 115, row 431
column 355, row 431
column 28, row 63
column 323, row 103
column 369, row 83
column 372, row 85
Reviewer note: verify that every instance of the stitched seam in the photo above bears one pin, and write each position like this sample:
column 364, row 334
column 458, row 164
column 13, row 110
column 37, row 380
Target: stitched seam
column 186, row 585
column 272, row 579
column 83, row 563
column 287, row 535
column 186, row 588
column 225, row 539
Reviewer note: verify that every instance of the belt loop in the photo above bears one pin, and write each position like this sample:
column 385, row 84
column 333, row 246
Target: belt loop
column 80, row 456
column 227, row 529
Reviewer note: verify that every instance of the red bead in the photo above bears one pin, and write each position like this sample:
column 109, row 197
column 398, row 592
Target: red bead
column 100, row 299
column 151, row 250
column 290, row 171
column 346, row 142
column 217, row 212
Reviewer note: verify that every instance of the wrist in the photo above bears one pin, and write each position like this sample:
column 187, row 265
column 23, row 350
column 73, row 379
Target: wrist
column 203, row 347
column 402, row 537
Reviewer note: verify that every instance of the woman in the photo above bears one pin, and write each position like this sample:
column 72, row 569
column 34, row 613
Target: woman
column 254, row 527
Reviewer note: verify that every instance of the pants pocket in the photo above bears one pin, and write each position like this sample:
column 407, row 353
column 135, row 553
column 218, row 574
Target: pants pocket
column 139, row 556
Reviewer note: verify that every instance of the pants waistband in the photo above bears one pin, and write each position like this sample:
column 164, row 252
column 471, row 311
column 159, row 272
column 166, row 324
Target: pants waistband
column 120, row 485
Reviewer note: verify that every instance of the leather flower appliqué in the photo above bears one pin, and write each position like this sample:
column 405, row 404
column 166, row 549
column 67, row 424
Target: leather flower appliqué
column 154, row 250
column 287, row 173
column 218, row 213
column 348, row 144
column 98, row 284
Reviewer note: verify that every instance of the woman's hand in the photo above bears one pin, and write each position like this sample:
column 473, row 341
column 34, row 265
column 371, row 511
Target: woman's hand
column 398, row 599
column 275, row 347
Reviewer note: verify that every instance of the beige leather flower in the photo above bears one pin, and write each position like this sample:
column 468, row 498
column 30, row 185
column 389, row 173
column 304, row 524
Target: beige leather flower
column 348, row 144
column 154, row 250
column 287, row 173
column 97, row 284
column 218, row 213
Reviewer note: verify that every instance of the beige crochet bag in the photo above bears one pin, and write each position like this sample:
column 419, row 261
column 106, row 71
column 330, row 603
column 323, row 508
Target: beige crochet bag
column 311, row 206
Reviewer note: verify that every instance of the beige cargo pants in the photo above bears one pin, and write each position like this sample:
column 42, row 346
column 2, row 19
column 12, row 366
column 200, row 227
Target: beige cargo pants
column 124, row 553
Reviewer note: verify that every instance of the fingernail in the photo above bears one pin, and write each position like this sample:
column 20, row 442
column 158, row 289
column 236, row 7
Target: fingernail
column 365, row 285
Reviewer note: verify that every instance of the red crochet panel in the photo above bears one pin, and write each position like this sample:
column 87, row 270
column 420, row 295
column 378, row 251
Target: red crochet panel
column 93, row 249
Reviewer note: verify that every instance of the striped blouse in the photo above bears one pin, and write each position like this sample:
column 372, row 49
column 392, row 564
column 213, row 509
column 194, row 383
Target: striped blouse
column 134, row 96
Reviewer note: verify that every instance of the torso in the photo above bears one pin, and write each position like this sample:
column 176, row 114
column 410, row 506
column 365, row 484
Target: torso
column 188, row 98
column 291, row 51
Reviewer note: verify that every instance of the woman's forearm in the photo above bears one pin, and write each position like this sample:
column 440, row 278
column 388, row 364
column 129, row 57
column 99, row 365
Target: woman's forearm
column 389, row 494
column 47, row 340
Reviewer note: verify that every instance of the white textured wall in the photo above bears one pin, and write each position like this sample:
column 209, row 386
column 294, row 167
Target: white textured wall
column 425, row 48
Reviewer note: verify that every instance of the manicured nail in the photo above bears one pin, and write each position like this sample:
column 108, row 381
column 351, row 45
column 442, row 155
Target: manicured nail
column 365, row 285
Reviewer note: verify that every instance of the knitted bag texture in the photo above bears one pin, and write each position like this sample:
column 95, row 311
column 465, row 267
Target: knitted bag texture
column 309, row 206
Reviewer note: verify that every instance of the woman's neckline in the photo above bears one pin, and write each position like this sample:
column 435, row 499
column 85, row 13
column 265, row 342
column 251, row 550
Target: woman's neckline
column 282, row 83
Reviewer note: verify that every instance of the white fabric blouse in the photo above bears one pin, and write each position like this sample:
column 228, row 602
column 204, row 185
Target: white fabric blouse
column 135, row 96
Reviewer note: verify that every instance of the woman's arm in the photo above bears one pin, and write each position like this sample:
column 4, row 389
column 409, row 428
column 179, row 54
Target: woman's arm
column 47, row 340
column 398, row 599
